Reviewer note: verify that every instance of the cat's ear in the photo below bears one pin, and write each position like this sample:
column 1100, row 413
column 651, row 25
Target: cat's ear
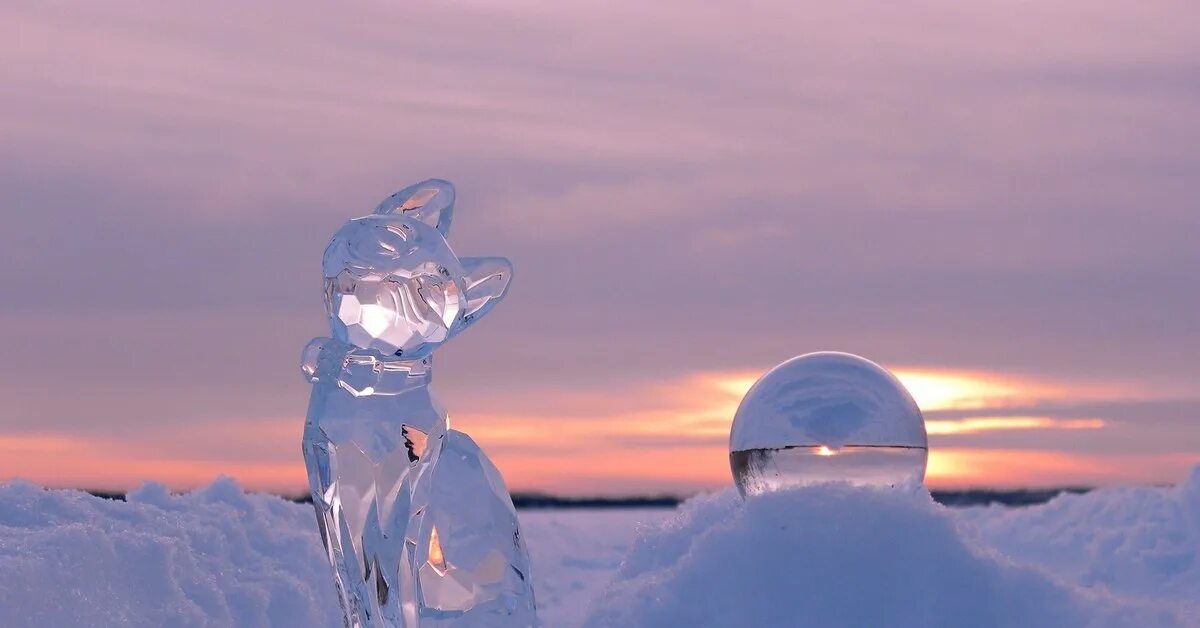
column 430, row 201
column 487, row 280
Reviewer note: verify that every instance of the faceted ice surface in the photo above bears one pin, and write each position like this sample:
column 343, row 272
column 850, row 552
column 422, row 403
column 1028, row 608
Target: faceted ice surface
column 430, row 201
column 417, row 523
column 393, row 284
column 825, row 417
column 416, row 520
column 362, row 451
column 472, row 567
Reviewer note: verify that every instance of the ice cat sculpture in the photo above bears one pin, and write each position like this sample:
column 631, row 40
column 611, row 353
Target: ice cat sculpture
column 416, row 521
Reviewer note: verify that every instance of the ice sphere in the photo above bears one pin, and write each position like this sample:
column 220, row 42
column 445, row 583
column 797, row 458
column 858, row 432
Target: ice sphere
column 827, row 417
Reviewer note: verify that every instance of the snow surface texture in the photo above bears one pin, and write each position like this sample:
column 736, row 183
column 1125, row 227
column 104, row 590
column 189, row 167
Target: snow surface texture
column 215, row 557
column 833, row 556
column 837, row 555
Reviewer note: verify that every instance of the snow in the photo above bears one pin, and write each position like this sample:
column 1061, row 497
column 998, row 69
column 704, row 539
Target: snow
column 821, row 555
column 213, row 557
column 576, row 552
column 1134, row 541
column 837, row 555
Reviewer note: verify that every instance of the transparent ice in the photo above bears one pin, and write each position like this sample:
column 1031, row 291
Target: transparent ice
column 467, row 573
column 827, row 417
column 416, row 521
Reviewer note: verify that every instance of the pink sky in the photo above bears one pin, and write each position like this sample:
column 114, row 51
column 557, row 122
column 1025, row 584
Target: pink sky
column 998, row 195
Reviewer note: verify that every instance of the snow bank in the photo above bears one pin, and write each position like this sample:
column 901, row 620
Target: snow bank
column 1138, row 541
column 220, row 557
column 215, row 557
column 847, row 556
column 824, row 556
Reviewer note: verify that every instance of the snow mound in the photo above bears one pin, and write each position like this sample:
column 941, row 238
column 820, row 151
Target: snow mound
column 1139, row 541
column 844, row 556
column 216, row 556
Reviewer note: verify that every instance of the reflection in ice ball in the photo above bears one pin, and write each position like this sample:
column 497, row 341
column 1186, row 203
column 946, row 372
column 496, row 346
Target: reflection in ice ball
column 827, row 417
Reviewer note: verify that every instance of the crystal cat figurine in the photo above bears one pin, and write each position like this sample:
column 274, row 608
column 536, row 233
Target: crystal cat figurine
column 415, row 519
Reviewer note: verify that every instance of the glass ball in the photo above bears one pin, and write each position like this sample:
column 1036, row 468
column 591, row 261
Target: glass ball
column 827, row 417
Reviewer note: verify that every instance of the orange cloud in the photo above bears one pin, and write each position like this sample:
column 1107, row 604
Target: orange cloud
column 993, row 423
column 966, row 468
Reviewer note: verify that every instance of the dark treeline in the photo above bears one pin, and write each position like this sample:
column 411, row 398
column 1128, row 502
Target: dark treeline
column 958, row 498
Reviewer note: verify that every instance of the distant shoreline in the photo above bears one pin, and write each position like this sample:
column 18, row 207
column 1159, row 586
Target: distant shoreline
column 536, row 501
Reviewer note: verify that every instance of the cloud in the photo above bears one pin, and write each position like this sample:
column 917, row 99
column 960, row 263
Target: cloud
column 681, row 189
column 975, row 425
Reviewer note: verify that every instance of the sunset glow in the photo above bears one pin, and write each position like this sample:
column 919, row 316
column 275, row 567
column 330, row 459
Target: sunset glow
column 948, row 390
column 660, row 437
column 984, row 424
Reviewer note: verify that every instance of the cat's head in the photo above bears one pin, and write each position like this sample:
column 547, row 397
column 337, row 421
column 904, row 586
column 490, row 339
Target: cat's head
column 393, row 284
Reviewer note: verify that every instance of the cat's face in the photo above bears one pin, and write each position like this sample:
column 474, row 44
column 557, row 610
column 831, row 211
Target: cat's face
column 393, row 284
